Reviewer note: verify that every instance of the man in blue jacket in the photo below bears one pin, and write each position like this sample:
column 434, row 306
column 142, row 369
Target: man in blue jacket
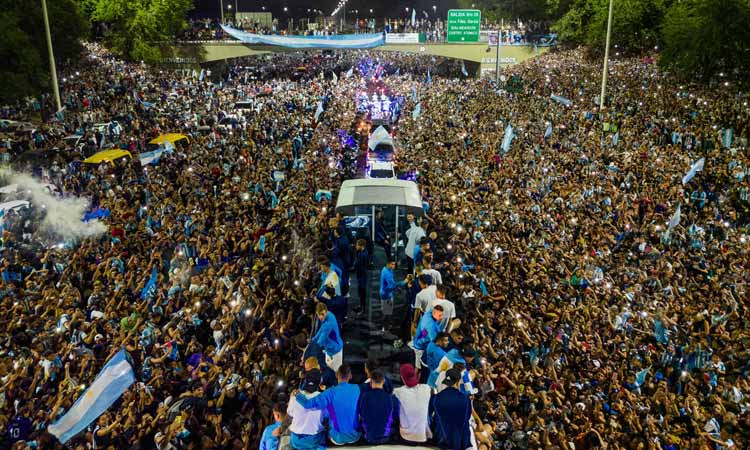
column 340, row 403
column 267, row 440
column 427, row 329
column 328, row 337
column 388, row 286
column 450, row 411
column 378, row 411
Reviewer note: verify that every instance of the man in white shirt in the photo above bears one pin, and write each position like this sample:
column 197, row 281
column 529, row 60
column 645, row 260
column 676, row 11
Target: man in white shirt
column 413, row 235
column 423, row 300
column 449, row 321
column 437, row 279
column 414, row 405
column 307, row 424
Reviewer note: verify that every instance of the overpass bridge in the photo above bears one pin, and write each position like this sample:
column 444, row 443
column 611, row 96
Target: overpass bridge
column 193, row 53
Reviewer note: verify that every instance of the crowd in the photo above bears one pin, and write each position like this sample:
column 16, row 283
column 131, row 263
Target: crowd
column 601, row 301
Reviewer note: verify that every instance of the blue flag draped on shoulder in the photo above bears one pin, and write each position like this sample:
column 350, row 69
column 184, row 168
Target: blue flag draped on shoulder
column 417, row 111
column 114, row 379
column 507, row 138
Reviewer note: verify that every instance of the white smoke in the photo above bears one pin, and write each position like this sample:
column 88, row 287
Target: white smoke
column 64, row 216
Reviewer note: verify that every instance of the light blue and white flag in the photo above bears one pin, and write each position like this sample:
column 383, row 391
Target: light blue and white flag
column 640, row 377
column 413, row 16
column 114, row 379
column 548, row 132
column 335, row 78
column 695, row 168
column 675, row 220
column 616, row 138
column 463, row 69
column 202, row 75
column 414, row 95
column 660, row 333
column 727, row 136
column 319, row 110
column 429, row 78
column 507, row 139
column 417, row 111
column 560, row 99
column 349, row 72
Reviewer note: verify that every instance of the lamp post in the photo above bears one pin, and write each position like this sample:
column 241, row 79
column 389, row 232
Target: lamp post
column 52, row 67
column 497, row 55
column 606, row 58
column 221, row 10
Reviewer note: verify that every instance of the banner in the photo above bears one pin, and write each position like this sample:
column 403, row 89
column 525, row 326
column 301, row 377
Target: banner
column 402, row 38
column 333, row 41
column 560, row 99
column 695, row 168
column 114, row 379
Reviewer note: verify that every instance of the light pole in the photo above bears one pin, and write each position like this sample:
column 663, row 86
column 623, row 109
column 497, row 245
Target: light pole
column 434, row 10
column 221, row 10
column 497, row 55
column 52, row 67
column 606, row 57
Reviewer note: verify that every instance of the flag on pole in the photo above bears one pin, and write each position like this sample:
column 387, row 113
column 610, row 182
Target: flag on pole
column 675, row 220
column 507, row 138
column 429, row 78
column 417, row 111
column 640, row 377
column 414, row 94
column 150, row 288
column 463, row 69
column 695, row 168
column 202, row 75
column 319, row 110
column 114, row 379
column 548, row 132
column 349, row 72
column 335, row 78
column 616, row 138
column 413, row 16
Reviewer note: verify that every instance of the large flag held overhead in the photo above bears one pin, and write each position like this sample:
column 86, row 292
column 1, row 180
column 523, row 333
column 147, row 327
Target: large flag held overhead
column 560, row 99
column 368, row 40
column 150, row 288
column 319, row 110
column 114, row 379
column 695, row 168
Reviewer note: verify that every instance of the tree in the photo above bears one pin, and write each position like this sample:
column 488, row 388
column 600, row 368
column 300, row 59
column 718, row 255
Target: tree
column 636, row 24
column 705, row 37
column 135, row 27
column 23, row 48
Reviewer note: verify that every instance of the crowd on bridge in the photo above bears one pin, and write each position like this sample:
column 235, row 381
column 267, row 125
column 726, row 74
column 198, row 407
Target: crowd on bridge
column 602, row 293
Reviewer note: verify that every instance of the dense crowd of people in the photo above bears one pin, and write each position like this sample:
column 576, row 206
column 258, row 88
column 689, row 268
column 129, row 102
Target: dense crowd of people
column 601, row 300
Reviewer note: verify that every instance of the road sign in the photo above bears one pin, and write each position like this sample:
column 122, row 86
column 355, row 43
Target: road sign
column 463, row 25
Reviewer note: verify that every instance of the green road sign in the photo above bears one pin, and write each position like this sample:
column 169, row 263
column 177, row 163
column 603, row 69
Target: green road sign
column 463, row 25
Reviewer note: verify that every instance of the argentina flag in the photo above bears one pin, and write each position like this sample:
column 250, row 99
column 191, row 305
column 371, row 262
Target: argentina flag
column 417, row 111
column 463, row 69
column 114, row 379
column 507, row 138
column 150, row 288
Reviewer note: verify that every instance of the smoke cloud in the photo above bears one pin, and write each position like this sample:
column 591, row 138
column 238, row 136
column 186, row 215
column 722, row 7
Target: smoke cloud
column 63, row 216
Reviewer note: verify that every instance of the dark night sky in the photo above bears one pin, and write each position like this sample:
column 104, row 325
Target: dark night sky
column 298, row 8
